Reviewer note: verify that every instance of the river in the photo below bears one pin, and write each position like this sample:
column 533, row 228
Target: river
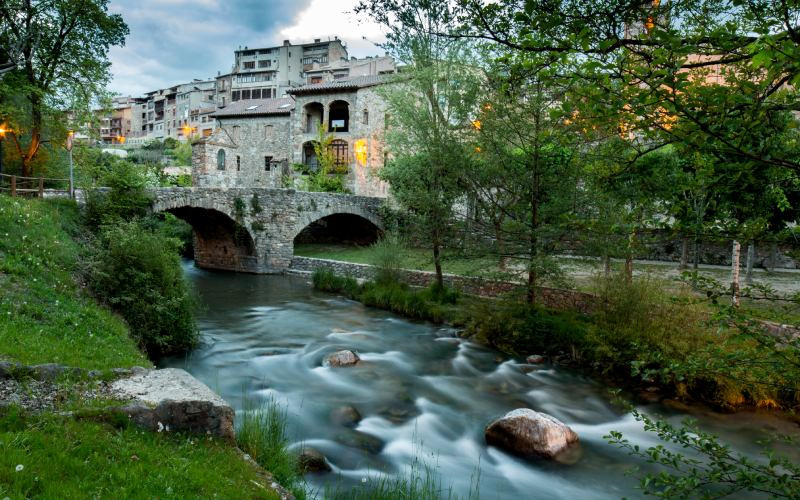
column 422, row 392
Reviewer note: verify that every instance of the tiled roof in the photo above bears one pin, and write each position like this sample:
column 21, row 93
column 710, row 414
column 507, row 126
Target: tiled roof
column 257, row 107
column 343, row 84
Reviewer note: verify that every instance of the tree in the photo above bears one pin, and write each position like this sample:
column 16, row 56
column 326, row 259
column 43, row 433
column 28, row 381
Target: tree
column 62, row 63
column 430, row 108
column 525, row 162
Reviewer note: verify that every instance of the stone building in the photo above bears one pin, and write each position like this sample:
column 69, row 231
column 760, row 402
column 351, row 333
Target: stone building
column 354, row 113
column 257, row 142
column 251, row 146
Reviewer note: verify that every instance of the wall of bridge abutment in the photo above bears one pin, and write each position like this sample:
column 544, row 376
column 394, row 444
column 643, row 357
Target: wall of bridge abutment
column 253, row 229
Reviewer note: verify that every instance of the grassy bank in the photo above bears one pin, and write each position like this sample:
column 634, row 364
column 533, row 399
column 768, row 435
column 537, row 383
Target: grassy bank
column 48, row 317
column 52, row 457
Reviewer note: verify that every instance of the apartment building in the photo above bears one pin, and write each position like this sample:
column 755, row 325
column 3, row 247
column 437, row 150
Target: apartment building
column 268, row 72
column 120, row 122
column 321, row 72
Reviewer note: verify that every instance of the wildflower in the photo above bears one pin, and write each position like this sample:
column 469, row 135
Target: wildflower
column 160, row 427
column 20, row 467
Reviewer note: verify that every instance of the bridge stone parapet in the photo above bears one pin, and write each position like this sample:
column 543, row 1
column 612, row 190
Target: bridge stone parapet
column 254, row 229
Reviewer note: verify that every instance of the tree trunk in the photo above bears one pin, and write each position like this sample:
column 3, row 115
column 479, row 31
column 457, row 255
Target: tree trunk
column 751, row 257
column 437, row 264
column 737, row 250
column 684, row 253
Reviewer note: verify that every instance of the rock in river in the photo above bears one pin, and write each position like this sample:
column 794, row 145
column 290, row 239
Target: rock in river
column 311, row 460
column 342, row 358
column 345, row 415
column 529, row 433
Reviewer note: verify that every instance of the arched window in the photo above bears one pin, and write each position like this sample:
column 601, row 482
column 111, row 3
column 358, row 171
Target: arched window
column 221, row 159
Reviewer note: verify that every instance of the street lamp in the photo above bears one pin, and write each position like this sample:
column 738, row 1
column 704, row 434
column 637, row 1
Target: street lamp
column 187, row 130
column 3, row 131
column 70, row 137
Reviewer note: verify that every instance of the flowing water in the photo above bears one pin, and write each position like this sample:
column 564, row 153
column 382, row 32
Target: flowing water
column 422, row 392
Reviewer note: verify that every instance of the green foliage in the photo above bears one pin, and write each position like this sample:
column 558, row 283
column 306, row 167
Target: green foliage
column 255, row 205
column 137, row 272
column 328, row 177
column 262, row 435
column 520, row 329
column 66, row 458
column 126, row 200
column 387, row 256
column 328, row 281
column 47, row 316
column 181, row 153
column 706, row 468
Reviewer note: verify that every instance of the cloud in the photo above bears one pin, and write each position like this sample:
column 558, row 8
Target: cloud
column 174, row 41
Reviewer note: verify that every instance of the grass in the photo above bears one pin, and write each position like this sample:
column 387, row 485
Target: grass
column 410, row 258
column 64, row 458
column 47, row 315
column 262, row 435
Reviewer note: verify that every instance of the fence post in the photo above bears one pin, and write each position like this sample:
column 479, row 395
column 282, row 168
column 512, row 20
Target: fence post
column 41, row 187
column 13, row 186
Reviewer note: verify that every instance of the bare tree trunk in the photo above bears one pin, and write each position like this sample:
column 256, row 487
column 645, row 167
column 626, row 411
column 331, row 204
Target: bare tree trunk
column 684, row 253
column 751, row 257
column 737, row 250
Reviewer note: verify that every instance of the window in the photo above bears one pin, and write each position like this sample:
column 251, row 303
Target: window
column 338, row 148
column 267, row 163
column 256, row 94
column 365, row 117
column 250, row 65
column 235, row 96
column 316, row 79
column 314, row 59
column 245, row 94
column 238, row 163
column 268, row 129
column 236, row 132
column 264, row 51
column 221, row 159
column 264, row 64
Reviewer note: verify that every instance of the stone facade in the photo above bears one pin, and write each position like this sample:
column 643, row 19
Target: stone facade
column 364, row 136
column 554, row 298
column 256, row 153
column 253, row 229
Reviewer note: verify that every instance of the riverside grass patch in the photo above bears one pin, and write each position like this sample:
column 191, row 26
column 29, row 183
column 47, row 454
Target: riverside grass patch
column 47, row 317
column 52, row 457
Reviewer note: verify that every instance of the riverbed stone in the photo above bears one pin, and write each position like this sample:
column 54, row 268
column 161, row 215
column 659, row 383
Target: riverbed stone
column 311, row 460
column 342, row 358
column 535, row 359
column 171, row 399
column 345, row 415
column 529, row 433
column 361, row 440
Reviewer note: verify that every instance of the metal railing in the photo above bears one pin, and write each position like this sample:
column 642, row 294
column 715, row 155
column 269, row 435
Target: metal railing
column 17, row 185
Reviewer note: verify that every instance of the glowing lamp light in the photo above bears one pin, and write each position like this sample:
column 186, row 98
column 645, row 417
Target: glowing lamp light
column 476, row 124
column 360, row 151
column 187, row 130
column 121, row 139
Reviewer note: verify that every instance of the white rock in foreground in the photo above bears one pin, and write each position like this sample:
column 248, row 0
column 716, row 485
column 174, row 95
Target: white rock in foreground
column 529, row 433
column 173, row 400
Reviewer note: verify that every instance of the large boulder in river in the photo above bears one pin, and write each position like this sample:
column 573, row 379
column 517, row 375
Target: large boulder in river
column 342, row 358
column 345, row 415
column 529, row 433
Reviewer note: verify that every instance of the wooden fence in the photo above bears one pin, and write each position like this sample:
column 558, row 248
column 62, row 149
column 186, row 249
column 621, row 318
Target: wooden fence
column 17, row 185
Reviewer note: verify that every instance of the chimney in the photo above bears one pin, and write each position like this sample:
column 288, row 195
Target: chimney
column 316, row 40
column 286, row 42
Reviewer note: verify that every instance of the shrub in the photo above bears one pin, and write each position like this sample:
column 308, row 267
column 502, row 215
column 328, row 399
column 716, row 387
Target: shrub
column 328, row 281
column 387, row 256
column 518, row 328
column 137, row 272
column 125, row 201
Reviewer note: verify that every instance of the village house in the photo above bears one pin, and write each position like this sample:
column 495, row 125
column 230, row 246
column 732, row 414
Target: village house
column 258, row 142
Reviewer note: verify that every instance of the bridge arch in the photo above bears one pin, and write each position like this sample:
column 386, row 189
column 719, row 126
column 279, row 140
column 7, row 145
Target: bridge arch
column 352, row 226
column 219, row 241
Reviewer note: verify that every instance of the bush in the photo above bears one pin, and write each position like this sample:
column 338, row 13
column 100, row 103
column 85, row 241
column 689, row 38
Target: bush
column 137, row 273
column 518, row 328
column 126, row 200
column 328, row 281
column 387, row 256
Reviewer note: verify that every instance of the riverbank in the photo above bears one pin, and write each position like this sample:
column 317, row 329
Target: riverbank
column 635, row 335
column 49, row 317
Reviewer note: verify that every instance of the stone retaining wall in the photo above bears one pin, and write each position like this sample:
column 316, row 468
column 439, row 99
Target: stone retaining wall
column 554, row 298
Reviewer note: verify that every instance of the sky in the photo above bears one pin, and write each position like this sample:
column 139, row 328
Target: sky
column 175, row 41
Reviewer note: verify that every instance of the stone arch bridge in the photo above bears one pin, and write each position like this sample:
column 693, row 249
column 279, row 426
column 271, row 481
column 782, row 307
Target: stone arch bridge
column 254, row 229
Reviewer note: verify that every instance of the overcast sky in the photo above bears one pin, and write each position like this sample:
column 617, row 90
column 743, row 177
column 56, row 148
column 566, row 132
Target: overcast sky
column 174, row 41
